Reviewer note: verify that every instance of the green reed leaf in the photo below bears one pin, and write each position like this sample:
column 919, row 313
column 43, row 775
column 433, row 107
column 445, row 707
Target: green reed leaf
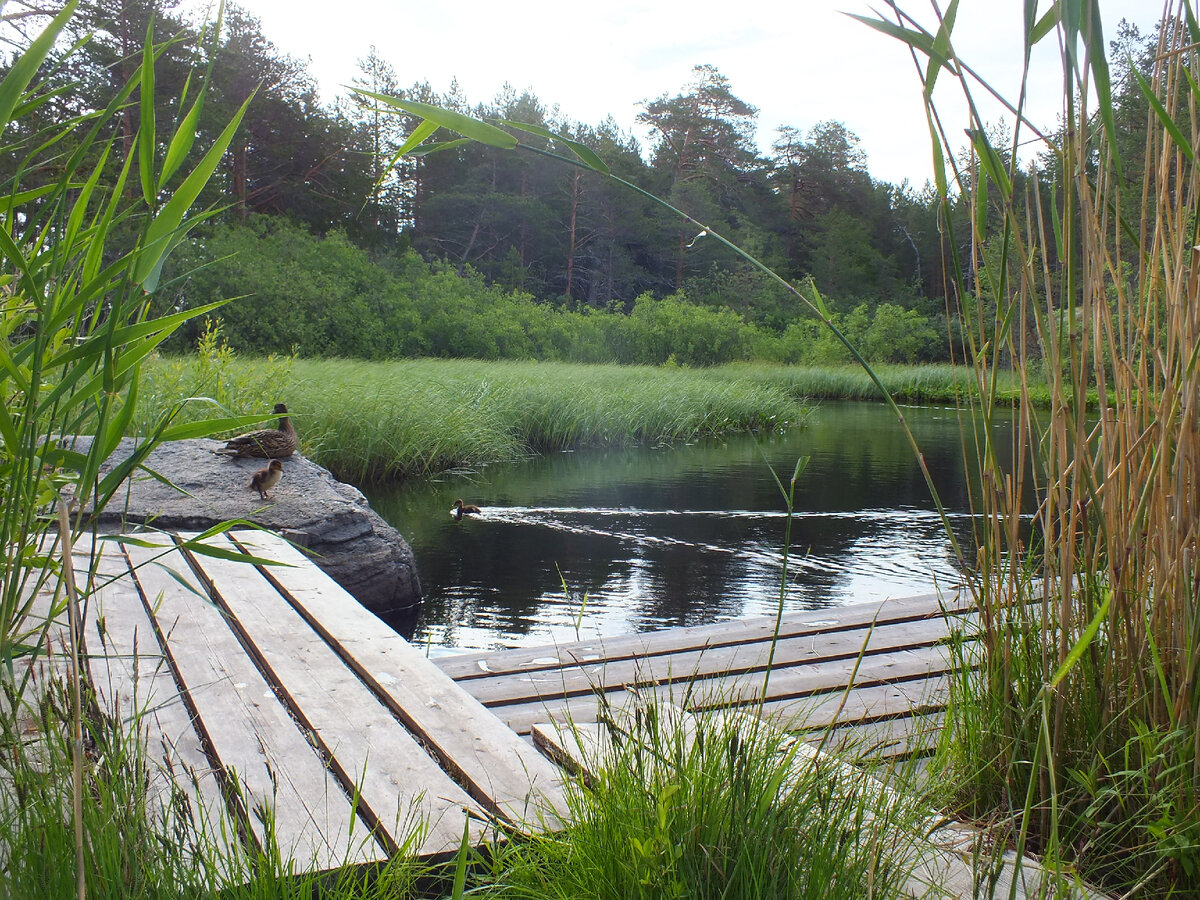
column 941, row 46
column 1045, row 25
column 10, row 202
column 165, row 232
column 8, row 428
column 146, row 130
column 427, row 149
column 918, row 40
column 207, row 427
column 1163, row 116
column 104, row 445
column 182, row 141
column 79, row 207
column 425, row 128
column 939, row 156
column 586, row 155
column 201, row 549
column 128, row 333
column 1192, row 26
column 117, row 364
column 465, row 125
column 1085, row 640
column 28, row 63
column 991, row 162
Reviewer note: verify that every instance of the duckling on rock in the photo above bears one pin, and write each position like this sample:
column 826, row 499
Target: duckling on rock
column 269, row 443
column 459, row 510
column 265, row 479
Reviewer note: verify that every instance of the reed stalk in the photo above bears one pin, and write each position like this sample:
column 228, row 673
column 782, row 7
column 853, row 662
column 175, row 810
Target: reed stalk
column 1078, row 718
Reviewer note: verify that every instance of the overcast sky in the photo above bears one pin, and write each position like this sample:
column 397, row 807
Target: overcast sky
column 799, row 61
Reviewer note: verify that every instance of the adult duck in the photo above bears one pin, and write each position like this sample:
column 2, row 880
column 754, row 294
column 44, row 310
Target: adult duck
column 460, row 509
column 269, row 443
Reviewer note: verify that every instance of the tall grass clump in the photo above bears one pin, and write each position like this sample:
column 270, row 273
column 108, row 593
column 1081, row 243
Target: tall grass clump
column 147, row 837
column 720, row 807
column 926, row 383
column 379, row 420
column 1078, row 725
column 86, row 226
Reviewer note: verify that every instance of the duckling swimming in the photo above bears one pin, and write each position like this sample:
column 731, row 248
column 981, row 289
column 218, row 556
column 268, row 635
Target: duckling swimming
column 270, row 443
column 265, row 479
column 459, row 510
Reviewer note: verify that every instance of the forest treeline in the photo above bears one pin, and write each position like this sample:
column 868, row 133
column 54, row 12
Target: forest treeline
column 335, row 247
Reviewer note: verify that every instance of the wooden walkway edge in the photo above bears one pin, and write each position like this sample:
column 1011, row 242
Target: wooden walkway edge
column 879, row 671
column 281, row 690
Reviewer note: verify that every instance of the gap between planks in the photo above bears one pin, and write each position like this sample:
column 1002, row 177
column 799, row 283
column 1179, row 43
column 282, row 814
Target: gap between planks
column 374, row 756
column 499, row 770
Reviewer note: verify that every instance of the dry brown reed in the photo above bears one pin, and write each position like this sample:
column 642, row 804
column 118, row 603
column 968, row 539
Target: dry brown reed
column 1079, row 726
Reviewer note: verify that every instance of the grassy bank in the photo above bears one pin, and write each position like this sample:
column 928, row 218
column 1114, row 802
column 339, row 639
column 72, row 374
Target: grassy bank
column 416, row 417
column 368, row 420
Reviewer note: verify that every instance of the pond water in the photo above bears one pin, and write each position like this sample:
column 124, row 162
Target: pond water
column 607, row 542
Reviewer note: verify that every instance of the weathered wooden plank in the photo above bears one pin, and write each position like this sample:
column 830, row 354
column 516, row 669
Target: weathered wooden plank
column 887, row 739
column 498, row 769
column 788, row 683
column 243, row 722
column 878, row 701
column 860, row 704
column 521, row 717
column 371, row 752
column 668, row 641
column 721, row 661
column 803, row 680
column 133, row 679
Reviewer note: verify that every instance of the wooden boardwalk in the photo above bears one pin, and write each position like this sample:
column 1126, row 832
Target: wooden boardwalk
column 877, row 672
column 273, row 685
column 269, row 685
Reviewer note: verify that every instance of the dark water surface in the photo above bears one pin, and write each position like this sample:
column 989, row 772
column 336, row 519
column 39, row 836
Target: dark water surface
column 647, row 538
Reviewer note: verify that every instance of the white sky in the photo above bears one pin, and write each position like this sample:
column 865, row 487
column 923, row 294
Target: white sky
column 800, row 62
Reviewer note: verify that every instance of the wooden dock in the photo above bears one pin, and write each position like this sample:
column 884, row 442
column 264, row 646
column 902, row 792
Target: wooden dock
column 269, row 685
column 876, row 672
column 272, row 685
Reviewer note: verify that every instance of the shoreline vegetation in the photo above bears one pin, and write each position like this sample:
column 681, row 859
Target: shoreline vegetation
column 1073, row 719
column 375, row 421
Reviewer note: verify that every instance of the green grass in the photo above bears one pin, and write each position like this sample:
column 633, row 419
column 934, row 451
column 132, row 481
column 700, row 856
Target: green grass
column 384, row 420
column 934, row 383
column 725, row 807
column 139, row 845
column 371, row 421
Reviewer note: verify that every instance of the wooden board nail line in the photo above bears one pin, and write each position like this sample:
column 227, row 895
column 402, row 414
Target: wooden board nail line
column 344, row 779
column 646, row 646
column 410, row 712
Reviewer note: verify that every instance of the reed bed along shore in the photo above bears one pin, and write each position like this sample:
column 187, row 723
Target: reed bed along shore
column 377, row 421
column 1074, row 716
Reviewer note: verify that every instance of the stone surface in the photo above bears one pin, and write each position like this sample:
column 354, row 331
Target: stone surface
column 351, row 542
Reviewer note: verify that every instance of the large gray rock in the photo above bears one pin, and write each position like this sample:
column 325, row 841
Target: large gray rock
column 352, row 543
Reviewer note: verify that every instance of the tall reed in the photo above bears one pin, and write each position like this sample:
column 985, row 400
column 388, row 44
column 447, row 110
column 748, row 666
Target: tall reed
column 1079, row 724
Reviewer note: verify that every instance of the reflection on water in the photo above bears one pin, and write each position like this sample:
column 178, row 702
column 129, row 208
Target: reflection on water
column 609, row 542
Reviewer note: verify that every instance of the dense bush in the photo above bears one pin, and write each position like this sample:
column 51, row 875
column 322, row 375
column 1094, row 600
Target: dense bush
column 309, row 296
